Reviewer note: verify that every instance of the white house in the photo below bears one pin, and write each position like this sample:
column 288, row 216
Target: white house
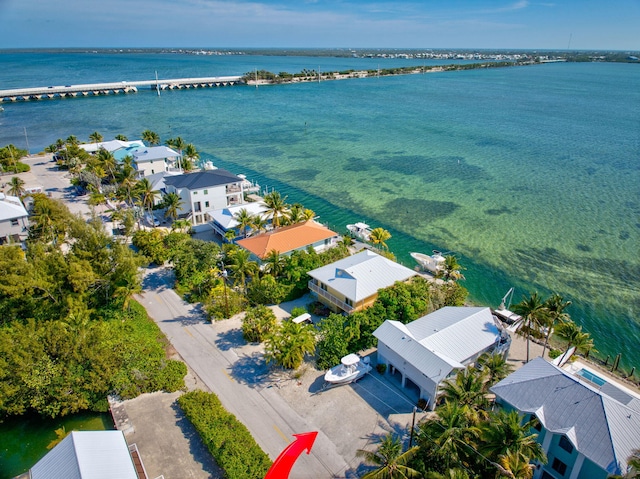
column 433, row 348
column 352, row 283
column 204, row 191
column 155, row 159
column 223, row 220
column 87, row 455
column 587, row 424
column 14, row 220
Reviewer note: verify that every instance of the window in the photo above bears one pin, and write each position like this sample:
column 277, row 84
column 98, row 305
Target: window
column 559, row 466
column 348, row 302
column 14, row 222
column 195, row 193
column 566, row 444
column 206, row 204
column 196, row 206
column 206, row 192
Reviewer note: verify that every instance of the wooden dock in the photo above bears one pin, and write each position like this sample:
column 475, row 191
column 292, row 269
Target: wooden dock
column 98, row 89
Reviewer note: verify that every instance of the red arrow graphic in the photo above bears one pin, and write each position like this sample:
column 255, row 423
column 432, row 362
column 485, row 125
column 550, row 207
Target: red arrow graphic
column 282, row 465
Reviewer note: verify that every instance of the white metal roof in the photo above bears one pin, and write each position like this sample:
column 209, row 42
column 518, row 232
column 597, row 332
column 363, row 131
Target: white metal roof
column 87, row 455
column 225, row 216
column 442, row 341
column 601, row 427
column 11, row 208
column 359, row 276
column 110, row 146
column 154, row 153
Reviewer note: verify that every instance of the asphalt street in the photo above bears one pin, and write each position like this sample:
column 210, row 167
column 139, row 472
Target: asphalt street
column 271, row 421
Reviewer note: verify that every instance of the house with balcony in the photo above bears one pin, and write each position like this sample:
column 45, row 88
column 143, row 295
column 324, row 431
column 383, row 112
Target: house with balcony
column 433, row 348
column 155, row 159
column 587, row 424
column 288, row 239
column 224, row 220
column 204, row 191
column 14, row 220
column 352, row 284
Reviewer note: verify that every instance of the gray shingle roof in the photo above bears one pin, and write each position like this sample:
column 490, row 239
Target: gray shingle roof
column 202, row 179
column 601, row 427
column 359, row 276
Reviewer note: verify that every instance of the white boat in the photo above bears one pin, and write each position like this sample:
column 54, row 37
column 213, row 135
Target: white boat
column 350, row 369
column 360, row 230
column 432, row 263
column 513, row 320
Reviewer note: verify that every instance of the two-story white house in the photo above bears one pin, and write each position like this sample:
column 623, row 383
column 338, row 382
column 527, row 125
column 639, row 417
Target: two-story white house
column 14, row 220
column 156, row 159
column 205, row 191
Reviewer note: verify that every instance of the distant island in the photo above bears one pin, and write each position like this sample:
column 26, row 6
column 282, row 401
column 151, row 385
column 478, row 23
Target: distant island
column 380, row 53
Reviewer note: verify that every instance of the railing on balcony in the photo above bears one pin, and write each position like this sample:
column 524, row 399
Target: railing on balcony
column 233, row 189
column 330, row 297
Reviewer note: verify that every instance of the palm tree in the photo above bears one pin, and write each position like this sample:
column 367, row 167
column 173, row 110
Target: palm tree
column 144, row 190
column 190, row 155
column 274, row 263
column 126, row 288
column 95, row 137
column 451, row 269
column 177, row 143
column 181, row 225
column 244, row 219
column 172, row 203
column 555, row 305
column 379, row 236
column 532, row 311
column 289, row 344
column 276, row 207
column 573, row 334
column 259, row 223
column 506, row 433
column 242, row 267
column 391, row 461
column 495, row 368
column 122, row 138
column 450, row 432
column 72, row 140
column 108, row 163
column 454, row 473
column 296, row 214
column 16, row 187
column 516, row 466
column 151, row 137
column 466, row 389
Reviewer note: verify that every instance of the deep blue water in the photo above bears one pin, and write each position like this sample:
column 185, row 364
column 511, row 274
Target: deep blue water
column 531, row 175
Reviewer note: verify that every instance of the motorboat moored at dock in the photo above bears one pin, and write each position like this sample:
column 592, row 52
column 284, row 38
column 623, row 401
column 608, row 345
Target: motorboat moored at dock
column 432, row 263
column 360, row 230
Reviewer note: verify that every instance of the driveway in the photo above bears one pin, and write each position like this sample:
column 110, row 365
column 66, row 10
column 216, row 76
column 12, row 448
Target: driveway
column 272, row 404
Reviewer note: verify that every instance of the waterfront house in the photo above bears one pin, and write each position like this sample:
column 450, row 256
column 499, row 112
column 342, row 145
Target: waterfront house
column 224, row 220
column 288, row 239
column 587, row 425
column 205, row 191
column 432, row 349
column 111, row 146
column 352, row 283
column 154, row 159
column 14, row 220
column 90, row 454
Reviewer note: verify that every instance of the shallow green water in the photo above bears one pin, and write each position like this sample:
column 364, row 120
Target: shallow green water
column 24, row 439
column 531, row 175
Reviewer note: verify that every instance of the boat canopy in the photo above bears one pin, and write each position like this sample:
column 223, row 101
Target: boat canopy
column 350, row 359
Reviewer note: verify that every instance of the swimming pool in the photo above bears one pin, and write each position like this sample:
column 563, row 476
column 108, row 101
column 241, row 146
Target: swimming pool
column 591, row 377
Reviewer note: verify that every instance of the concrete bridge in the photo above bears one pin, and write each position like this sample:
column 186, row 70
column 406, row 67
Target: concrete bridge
column 97, row 89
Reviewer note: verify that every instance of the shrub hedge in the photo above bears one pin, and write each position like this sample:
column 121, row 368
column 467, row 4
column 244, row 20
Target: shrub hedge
column 227, row 439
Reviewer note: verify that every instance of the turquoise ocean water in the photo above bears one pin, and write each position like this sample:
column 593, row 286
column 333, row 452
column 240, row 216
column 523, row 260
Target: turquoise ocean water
column 531, row 175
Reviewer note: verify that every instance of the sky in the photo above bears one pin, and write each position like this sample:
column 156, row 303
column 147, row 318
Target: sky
column 481, row 24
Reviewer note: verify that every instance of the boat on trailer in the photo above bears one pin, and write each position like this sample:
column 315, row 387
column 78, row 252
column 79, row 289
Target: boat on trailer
column 350, row 369
column 360, row 230
column 432, row 263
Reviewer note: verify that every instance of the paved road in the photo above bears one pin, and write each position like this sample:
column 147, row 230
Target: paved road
column 271, row 421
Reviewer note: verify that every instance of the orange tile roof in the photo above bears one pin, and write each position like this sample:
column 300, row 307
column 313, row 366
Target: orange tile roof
column 289, row 238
